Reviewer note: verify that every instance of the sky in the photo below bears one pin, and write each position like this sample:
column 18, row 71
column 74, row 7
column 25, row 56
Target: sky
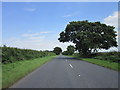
column 36, row 25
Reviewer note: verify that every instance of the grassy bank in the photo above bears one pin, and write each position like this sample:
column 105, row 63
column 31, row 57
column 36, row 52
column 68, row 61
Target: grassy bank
column 12, row 72
column 104, row 63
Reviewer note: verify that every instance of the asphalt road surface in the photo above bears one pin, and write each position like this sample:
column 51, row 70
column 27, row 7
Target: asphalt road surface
column 67, row 72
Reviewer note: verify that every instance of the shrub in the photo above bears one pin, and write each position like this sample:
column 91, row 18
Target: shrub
column 10, row 54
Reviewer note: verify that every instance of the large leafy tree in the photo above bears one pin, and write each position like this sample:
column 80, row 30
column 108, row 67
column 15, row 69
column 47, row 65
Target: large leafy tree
column 57, row 50
column 89, row 36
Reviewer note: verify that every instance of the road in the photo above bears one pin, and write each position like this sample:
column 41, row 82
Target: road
column 67, row 72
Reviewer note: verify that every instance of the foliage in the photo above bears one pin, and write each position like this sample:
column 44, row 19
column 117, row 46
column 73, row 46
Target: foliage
column 108, row 56
column 10, row 54
column 57, row 50
column 70, row 50
column 65, row 53
column 104, row 56
column 88, row 37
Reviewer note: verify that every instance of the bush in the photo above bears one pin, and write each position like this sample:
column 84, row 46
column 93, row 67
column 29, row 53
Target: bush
column 10, row 54
column 109, row 56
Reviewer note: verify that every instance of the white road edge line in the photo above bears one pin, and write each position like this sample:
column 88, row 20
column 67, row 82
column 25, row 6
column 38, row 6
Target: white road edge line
column 71, row 66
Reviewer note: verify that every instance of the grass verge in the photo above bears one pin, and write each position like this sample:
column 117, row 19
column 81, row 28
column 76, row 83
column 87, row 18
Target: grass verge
column 0, row 76
column 12, row 72
column 108, row 64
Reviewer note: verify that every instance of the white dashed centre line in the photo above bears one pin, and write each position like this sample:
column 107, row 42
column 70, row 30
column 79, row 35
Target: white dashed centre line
column 71, row 66
column 79, row 75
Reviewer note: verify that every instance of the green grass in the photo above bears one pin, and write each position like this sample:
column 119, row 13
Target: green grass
column 0, row 76
column 12, row 72
column 108, row 64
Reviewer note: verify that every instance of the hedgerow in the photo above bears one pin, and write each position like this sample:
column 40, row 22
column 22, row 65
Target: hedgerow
column 10, row 54
column 109, row 56
column 106, row 56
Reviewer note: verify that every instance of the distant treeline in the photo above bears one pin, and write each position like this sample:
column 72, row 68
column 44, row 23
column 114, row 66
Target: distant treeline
column 10, row 54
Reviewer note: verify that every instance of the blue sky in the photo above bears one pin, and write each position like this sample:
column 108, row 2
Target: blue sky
column 37, row 25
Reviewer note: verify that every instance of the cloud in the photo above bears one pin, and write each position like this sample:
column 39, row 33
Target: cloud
column 44, row 32
column 30, row 9
column 65, row 16
column 36, row 43
column 112, row 19
column 70, row 15
column 30, row 35
column 33, row 34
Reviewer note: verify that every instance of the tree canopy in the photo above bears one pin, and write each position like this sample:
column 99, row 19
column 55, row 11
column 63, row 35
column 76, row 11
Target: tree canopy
column 89, row 36
column 57, row 50
column 70, row 50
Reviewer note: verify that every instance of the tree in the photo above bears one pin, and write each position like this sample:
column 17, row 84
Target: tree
column 70, row 50
column 88, row 37
column 65, row 53
column 57, row 50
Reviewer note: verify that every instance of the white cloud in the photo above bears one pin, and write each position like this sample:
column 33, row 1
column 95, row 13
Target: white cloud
column 44, row 32
column 112, row 19
column 30, row 35
column 30, row 9
column 33, row 34
column 68, row 15
column 71, row 15
column 36, row 41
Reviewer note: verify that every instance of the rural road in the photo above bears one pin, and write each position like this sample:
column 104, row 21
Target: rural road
column 67, row 72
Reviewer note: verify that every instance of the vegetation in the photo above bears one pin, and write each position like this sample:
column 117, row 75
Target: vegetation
column 16, row 70
column 10, row 54
column 0, row 76
column 108, row 56
column 15, row 61
column 109, row 59
column 70, row 50
column 57, row 50
column 65, row 53
column 88, row 37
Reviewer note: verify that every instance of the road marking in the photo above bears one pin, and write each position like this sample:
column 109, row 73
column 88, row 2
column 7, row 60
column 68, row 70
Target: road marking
column 71, row 66
column 79, row 75
column 66, row 60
